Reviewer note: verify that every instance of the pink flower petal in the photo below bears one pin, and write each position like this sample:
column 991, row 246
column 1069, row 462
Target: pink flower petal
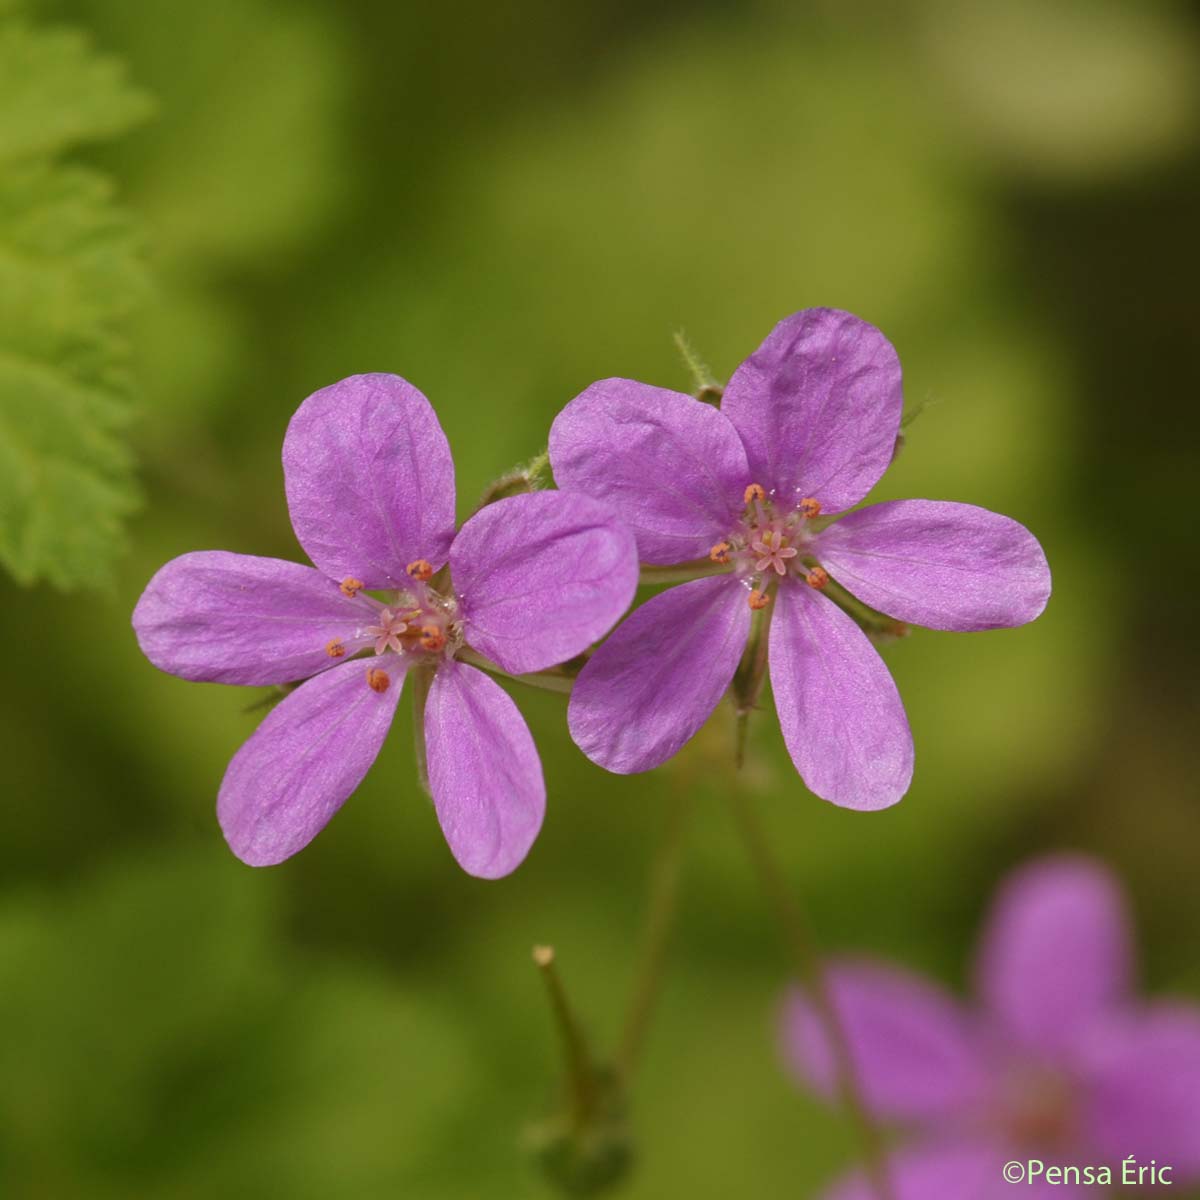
column 934, row 563
column 312, row 750
column 369, row 480
column 649, row 688
column 484, row 771
column 952, row 1170
column 1056, row 952
column 1143, row 1098
column 672, row 468
column 231, row 618
column 915, row 1051
column 540, row 577
column 818, row 406
column 842, row 718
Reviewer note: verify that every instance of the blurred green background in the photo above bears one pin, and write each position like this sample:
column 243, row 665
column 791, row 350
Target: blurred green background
column 503, row 203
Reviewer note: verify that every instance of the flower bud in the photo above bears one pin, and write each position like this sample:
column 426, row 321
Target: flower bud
column 588, row 1158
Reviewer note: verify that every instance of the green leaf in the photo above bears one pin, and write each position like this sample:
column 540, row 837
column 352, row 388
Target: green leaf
column 70, row 272
column 56, row 92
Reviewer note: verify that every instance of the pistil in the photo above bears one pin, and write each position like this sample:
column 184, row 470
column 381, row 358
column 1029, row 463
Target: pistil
column 769, row 541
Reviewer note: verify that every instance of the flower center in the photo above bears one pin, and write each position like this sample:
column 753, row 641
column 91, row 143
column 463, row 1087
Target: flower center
column 418, row 620
column 769, row 543
column 1039, row 1108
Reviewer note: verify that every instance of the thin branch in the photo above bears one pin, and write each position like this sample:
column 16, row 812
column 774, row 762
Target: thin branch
column 807, row 961
column 660, row 917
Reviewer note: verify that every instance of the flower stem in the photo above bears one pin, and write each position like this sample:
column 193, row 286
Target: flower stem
column 581, row 1072
column 706, row 386
column 807, row 961
column 660, row 916
column 526, row 478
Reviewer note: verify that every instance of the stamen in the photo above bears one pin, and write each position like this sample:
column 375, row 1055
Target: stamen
column 421, row 570
column 758, row 599
column 433, row 638
column 335, row 648
column 755, row 493
column 378, row 680
column 721, row 552
column 350, row 586
column 809, row 507
column 817, row 578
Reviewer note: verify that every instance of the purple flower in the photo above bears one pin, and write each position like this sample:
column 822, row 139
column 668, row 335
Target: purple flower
column 807, row 426
column 1059, row 1061
column 370, row 487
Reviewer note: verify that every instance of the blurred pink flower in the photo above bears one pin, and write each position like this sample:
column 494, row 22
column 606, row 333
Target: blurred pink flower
column 1058, row 1061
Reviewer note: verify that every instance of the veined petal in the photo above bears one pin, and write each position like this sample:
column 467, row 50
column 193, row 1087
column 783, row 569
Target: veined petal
column 939, row 564
column 484, row 771
column 542, row 576
column 672, row 468
column 915, row 1051
column 218, row 617
column 1056, row 952
column 842, row 718
column 312, row 750
column 655, row 681
column 369, row 480
column 1143, row 1088
column 818, row 406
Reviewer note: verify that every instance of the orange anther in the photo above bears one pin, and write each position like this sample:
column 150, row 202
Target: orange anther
column 809, row 507
column 754, row 493
column 817, row 578
column 759, row 599
column 351, row 586
column 720, row 553
column 335, row 648
column 378, row 680
column 421, row 570
column 432, row 638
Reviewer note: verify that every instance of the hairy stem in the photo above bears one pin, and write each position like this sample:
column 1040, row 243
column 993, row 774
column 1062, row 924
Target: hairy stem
column 703, row 381
column 807, row 962
column 526, row 478
column 660, row 916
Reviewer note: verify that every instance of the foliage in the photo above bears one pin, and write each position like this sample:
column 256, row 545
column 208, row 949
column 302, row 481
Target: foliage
column 70, row 272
